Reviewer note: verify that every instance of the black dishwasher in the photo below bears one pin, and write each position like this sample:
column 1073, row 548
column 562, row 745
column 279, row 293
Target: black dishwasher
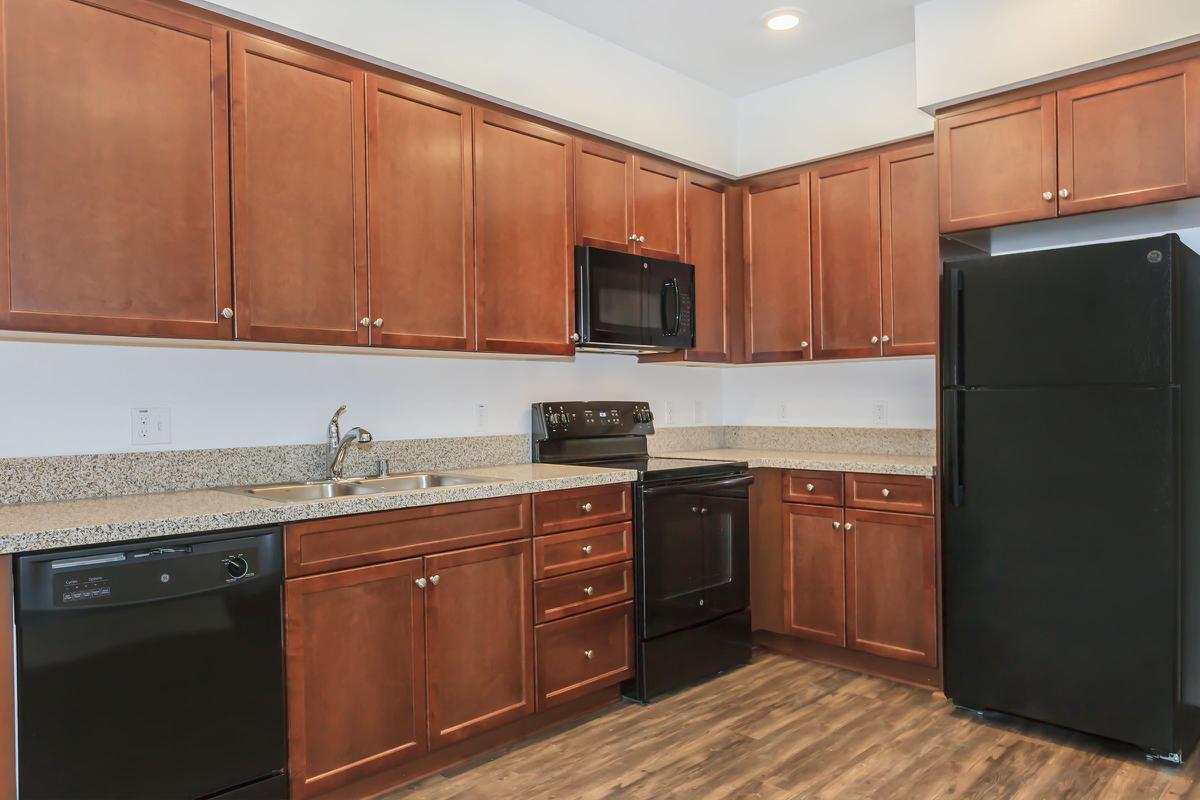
column 153, row 671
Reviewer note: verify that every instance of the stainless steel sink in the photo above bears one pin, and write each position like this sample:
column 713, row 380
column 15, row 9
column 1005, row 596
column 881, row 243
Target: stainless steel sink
column 323, row 490
column 416, row 480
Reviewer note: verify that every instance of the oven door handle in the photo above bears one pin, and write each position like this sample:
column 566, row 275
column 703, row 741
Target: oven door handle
column 676, row 488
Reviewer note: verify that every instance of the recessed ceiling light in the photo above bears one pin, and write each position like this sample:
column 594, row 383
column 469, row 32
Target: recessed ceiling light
column 782, row 19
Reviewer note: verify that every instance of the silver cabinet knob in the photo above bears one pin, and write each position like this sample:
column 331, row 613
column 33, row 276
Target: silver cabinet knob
column 1064, row 194
column 803, row 345
column 433, row 579
column 703, row 510
column 227, row 313
column 421, row 583
column 849, row 526
column 886, row 492
column 589, row 590
column 587, row 549
column 641, row 239
column 808, row 487
column 586, row 507
column 1047, row 196
column 588, row 654
column 574, row 337
column 365, row 322
column 874, row 340
column 695, row 509
column 886, row 339
column 837, row 524
column 379, row 322
column 633, row 237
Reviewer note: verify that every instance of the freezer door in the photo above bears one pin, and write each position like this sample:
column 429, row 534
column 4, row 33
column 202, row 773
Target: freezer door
column 1060, row 557
column 1098, row 315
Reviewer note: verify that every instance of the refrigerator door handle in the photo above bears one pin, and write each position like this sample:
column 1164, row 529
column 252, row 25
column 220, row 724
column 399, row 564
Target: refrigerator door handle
column 953, row 412
column 954, row 348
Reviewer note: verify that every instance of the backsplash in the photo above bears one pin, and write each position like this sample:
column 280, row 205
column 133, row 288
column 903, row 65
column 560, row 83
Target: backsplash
column 43, row 479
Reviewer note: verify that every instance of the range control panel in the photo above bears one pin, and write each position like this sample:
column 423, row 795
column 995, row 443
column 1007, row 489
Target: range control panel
column 574, row 420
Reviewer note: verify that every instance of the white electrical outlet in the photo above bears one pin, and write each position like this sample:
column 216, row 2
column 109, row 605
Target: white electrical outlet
column 670, row 406
column 481, row 417
column 783, row 410
column 150, row 425
column 879, row 412
column 698, row 412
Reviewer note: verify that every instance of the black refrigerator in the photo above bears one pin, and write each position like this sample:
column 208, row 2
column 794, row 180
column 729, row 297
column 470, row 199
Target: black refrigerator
column 1070, row 482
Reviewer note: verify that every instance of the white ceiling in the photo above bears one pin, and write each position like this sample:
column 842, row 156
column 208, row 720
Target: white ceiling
column 725, row 43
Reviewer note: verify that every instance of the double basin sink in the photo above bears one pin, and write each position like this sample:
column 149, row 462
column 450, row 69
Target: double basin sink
column 322, row 490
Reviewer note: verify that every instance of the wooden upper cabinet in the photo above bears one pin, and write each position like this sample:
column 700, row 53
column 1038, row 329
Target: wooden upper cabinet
column 604, row 196
column 845, row 259
column 523, row 236
column 355, row 648
column 814, row 573
column 479, row 637
column 1130, row 140
column 419, row 212
column 778, row 289
column 997, row 165
column 299, row 195
column 705, row 247
column 909, row 250
column 658, row 190
column 891, row 586
column 115, row 170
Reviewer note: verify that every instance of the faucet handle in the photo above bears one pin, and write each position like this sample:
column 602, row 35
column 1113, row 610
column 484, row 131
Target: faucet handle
column 383, row 467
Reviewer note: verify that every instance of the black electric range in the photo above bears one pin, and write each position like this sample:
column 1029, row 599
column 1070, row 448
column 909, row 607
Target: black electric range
column 691, row 521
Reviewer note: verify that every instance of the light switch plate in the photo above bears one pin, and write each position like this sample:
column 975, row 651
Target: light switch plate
column 879, row 412
column 698, row 412
column 150, row 425
column 481, row 417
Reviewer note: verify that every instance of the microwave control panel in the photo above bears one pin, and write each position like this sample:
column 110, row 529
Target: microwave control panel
column 576, row 420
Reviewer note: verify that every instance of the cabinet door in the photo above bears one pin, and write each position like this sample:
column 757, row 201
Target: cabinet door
column 909, row 249
column 603, row 196
column 891, row 590
column 705, row 212
column 658, row 208
column 355, row 644
column 479, row 624
column 778, row 289
column 115, row 170
column 523, row 240
column 815, row 575
column 1130, row 140
column 299, row 196
column 845, row 259
column 419, row 207
column 997, row 165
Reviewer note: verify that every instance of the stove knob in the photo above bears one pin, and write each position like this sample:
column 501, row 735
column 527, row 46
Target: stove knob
column 555, row 418
column 236, row 566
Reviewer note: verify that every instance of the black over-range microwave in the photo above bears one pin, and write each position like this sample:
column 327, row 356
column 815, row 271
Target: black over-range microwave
column 628, row 303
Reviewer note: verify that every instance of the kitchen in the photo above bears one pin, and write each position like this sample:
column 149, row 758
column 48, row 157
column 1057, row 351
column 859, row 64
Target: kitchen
column 406, row 399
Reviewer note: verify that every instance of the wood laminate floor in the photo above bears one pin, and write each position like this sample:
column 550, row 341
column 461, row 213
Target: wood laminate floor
column 781, row 728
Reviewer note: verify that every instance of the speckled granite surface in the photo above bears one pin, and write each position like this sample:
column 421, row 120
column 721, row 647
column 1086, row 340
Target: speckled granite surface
column 74, row 523
column 834, row 462
column 698, row 437
column 881, row 441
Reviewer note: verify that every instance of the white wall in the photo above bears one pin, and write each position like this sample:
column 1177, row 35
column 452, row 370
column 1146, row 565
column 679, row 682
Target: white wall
column 511, row 52
column 863, row 103
column 967, row 48
column 833, row 394
column 76, row 398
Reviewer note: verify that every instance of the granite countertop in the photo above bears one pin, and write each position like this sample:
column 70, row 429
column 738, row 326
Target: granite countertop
column 75, row 523
column 833, row 462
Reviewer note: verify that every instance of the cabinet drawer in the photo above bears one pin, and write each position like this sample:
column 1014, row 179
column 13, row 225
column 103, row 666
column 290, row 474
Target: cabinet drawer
column 906, row 493
column 580, row 508
column 568, row 595
column 578, row 550
column 328, row 544
column 584, row 653
column 807, row 486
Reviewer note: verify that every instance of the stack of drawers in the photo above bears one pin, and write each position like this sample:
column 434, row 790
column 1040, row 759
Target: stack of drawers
column 583, row 590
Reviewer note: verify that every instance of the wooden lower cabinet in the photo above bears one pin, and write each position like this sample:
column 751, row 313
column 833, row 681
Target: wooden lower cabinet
column 479, row 637
column 891, row 585
column 815, row 553
column 356, row 667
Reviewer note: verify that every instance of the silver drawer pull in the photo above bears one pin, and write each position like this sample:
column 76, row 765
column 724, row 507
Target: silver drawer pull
column 433, row 579
column 589, row 591
column 421, row 583
column 587, row 549
column 886, row 492
column 588, row 654
column 587, row 507
column 849, row 526
column 808, row 487
column 837, row 524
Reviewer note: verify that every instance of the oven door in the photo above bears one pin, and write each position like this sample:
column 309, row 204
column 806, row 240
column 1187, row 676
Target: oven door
column 693, row 553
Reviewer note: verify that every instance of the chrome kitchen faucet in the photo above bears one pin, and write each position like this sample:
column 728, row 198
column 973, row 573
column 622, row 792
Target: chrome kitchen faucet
column 336, row 444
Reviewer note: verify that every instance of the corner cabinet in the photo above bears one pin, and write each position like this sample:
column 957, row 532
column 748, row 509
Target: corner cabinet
column 115, row 170
column 524, row 213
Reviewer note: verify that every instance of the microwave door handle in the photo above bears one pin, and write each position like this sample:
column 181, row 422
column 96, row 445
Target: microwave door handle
column 673, row 285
